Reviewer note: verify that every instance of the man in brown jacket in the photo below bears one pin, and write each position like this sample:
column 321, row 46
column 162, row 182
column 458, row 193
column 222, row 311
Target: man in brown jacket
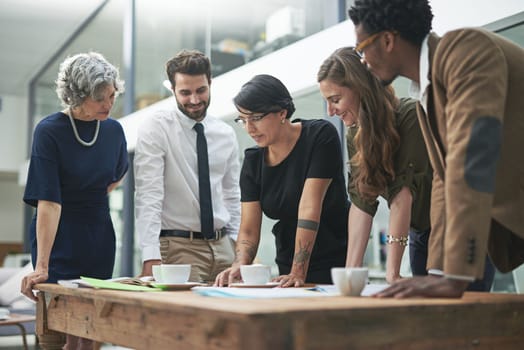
column 470, row 87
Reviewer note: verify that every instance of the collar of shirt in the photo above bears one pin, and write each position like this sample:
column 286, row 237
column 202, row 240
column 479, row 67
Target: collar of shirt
column 419, row 91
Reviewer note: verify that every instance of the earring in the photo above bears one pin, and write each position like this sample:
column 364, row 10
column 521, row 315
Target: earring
column 282, row 121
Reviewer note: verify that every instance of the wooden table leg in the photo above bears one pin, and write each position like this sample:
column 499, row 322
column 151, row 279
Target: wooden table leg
column 47, row 339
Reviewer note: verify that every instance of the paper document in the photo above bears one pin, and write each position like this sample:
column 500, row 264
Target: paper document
column 320, row 290
column 258, row 292
column 371, row 289
column 121, row 283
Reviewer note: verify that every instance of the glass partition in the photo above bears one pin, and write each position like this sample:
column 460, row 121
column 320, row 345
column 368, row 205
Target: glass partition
column 104, row 35
column 231, row 32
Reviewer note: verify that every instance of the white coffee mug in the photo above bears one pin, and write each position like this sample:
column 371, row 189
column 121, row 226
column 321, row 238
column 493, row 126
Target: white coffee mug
column 255, row 274
column 157, row 273
column 175, row 273
column 349, row 280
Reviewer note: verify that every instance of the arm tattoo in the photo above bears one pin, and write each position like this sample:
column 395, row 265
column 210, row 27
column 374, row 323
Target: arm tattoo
column 307, row 224
column 250, row 250
column 302, row 256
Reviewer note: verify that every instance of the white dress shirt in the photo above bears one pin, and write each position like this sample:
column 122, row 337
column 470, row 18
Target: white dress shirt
column 419, row 90
column 166, row 177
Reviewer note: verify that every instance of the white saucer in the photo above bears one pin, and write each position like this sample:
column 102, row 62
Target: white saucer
column 247, row 285
column 178, row 286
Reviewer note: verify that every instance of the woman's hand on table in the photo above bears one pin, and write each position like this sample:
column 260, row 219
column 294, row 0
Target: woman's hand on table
column 291, row 280
column 29, row 281
column 228, row 276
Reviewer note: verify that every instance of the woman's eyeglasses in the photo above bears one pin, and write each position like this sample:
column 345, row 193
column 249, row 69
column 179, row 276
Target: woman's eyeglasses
column 252, row 118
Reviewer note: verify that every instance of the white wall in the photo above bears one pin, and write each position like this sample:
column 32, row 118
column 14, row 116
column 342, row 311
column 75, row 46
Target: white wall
column 13, row 125
column 452, row 14
column 11, row 209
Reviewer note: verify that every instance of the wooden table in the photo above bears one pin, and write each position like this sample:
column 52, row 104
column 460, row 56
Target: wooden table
column 184, row 320
column 17, row 320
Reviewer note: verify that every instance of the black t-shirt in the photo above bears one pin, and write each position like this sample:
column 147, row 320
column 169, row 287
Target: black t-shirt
column 317, row 154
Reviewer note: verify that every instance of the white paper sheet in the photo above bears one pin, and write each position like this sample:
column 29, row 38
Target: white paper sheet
column 225, row 292
column 321, row 290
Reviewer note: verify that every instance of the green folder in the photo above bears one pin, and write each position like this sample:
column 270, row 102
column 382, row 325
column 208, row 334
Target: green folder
column 104, row 284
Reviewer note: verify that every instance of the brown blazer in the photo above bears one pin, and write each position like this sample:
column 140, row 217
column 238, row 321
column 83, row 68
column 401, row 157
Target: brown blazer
column 474, row 133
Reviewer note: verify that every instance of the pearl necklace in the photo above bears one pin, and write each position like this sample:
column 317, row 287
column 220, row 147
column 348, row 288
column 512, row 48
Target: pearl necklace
column 82, row 142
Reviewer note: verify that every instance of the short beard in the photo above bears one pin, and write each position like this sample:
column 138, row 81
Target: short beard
column 194, row 115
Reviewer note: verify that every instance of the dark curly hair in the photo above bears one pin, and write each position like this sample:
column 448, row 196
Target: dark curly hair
column 410, row 18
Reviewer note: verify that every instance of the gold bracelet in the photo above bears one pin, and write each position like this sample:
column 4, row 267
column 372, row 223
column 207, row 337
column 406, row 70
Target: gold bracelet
column 402, row 240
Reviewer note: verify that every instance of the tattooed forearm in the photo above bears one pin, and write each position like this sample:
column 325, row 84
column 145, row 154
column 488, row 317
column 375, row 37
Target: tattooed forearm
column 247, row 249
column 301, row 259
column 307, row 224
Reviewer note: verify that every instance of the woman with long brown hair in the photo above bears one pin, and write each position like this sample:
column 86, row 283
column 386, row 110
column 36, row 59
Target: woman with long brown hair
column 388, row 158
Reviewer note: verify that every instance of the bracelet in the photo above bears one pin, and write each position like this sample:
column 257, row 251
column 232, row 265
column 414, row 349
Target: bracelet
column 402, row 240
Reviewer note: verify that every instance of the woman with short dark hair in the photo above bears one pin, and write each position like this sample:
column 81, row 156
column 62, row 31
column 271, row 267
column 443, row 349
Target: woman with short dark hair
column 295, row 176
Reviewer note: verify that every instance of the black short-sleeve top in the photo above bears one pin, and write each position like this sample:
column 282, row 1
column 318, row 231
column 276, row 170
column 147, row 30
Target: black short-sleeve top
column 317, row 154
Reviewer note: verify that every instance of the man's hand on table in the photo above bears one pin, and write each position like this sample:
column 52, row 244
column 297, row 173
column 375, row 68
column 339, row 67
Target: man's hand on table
column 424, row 286
column 147, row 267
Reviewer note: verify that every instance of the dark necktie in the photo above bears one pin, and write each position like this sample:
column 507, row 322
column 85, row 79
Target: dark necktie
column 204, row 186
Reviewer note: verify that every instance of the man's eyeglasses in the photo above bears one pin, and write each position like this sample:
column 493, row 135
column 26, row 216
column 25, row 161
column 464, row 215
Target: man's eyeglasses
column 359, row 49
column 252, row 118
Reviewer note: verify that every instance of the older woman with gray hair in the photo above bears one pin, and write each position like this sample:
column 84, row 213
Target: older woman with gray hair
column 78, row 156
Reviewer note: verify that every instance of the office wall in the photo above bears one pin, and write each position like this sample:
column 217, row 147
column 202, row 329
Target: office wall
column 13, row 125
column 11, row 209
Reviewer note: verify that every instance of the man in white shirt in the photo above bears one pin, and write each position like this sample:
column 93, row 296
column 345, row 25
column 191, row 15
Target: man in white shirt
column 167, row 204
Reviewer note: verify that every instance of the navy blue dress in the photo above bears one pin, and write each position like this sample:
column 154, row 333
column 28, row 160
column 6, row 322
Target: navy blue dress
column 65, row 172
